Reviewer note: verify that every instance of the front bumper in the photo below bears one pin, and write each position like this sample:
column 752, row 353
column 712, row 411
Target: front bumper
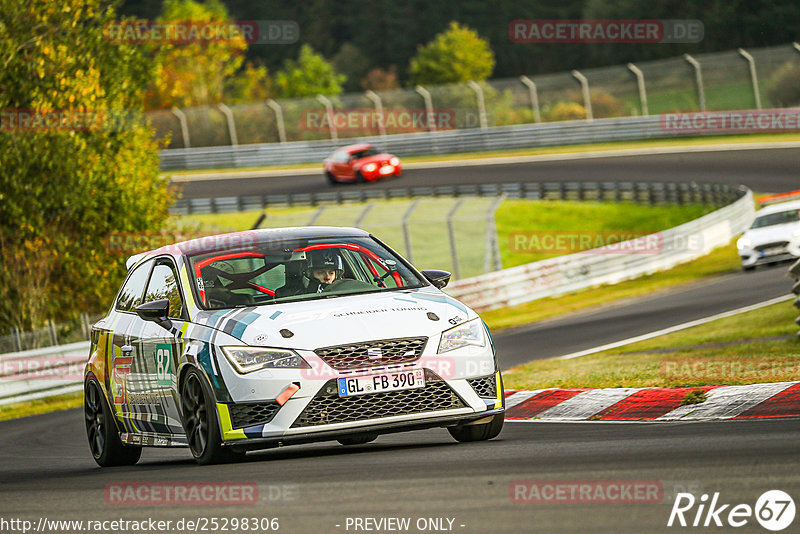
column 389, row 427
column 751, row 257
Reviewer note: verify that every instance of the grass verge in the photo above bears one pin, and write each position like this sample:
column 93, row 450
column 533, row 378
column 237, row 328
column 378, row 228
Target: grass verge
column 752, row 347
column 34, row 407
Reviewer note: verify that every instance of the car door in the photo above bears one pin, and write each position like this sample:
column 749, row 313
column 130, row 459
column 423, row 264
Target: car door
column 343, row 165
column 155, row 407
column 124, row 345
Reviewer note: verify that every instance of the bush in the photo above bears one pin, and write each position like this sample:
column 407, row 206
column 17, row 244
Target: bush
column 565, row 111
column 784, row 86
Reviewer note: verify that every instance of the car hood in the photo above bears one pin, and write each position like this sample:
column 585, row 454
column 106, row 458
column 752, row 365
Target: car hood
column 771, row 234
column 341, row 320
column 377, row 158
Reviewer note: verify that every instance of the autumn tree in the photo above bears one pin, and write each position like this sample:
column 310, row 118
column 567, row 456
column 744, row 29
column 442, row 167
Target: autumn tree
column 78, row 161
column 309, row 75
column 455, row 55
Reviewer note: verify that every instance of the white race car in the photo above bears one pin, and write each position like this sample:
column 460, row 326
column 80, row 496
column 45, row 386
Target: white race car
column 257, row 339
column 774, row 236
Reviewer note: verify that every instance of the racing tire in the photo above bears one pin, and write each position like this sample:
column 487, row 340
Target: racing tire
column 481, row 432
column 101, row 431
column 358, row 440
column 360, row 178
column 198, row 414
column 749, row 268
column 331, row 179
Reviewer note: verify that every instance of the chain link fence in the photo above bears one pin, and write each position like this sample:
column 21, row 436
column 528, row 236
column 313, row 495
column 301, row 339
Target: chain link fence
column 736, row 79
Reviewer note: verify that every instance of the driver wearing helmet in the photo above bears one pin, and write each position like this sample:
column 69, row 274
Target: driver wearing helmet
column 325, row 266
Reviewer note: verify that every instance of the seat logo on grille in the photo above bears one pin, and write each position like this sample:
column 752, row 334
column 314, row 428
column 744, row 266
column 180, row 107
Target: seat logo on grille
column 374, row 353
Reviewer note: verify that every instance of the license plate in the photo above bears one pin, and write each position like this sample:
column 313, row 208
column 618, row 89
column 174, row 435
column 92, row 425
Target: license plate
column 360, row 385
column 773, row 251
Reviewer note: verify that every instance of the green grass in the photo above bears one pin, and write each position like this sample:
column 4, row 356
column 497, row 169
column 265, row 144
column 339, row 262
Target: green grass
column 568, row 149
column 24, row 409
column 521, row 229
column 752, row 347
column 430, row 244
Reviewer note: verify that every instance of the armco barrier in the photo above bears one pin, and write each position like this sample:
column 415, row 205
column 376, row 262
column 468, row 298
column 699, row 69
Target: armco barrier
column 574, row 272
column 638, row 192
column 794, row 272
column 427, row 143
column 41, row 373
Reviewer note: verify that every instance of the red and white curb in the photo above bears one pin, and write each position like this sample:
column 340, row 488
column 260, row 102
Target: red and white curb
column 781, row 399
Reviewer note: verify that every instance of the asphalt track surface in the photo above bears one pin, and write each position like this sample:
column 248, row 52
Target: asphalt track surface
column 46, row 470
column 768, row 170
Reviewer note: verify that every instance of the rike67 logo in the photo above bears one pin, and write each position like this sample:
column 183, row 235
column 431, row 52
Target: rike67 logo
column 774, row 510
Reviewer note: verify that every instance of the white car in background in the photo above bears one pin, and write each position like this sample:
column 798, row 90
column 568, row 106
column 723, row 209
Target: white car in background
column 774, row 236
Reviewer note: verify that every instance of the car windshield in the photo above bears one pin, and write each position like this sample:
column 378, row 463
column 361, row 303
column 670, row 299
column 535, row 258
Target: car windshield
column 371, row 151
column 281, row 270
column 780, row 217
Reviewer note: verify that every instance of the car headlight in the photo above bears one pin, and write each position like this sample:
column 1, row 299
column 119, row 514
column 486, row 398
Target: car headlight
column 743, row 242
column 369, row 167
column 249, row 359
column 394, row 161
column 469, row 333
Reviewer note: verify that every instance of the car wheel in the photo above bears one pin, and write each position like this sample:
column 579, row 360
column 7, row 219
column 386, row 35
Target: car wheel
column 358, row 440
column 749, row 268
column 101, row 431
column 360, row 178
column 331, row 178
column 200, row 422
column 478, row 432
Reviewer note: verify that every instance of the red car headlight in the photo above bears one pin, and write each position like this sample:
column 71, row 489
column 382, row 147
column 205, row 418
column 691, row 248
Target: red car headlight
column 394, row 161
column 370, row 167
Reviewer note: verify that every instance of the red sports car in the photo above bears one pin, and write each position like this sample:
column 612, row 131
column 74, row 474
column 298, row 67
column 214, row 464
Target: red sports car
column 361, row 163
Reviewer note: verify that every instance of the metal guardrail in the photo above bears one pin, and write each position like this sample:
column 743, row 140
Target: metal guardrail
column 426, row 143
column 40, row 373
column 639, row 192
column 574, row 272
column 794, row 272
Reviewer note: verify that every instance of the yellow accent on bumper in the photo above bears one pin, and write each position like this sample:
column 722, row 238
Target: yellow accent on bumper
column 498, row 403
column 228, row 433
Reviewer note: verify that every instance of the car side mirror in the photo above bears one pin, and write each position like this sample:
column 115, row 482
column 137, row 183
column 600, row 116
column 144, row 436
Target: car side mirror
column 156, row 311
column 438, row 278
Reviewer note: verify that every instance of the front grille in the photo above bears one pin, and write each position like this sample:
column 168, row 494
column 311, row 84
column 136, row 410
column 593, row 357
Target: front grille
column 485, row 386
column 771, row 245
column 373, row 353
column 252, row 414
column 326, row 408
